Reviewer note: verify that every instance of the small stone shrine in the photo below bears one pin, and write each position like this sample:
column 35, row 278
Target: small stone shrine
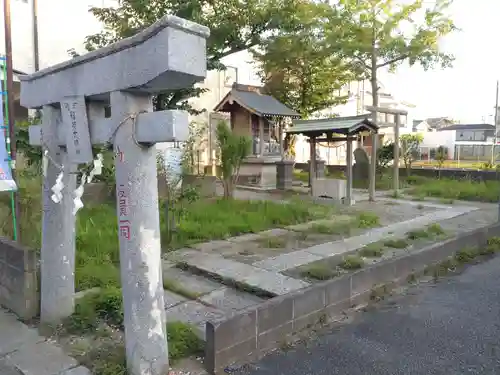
column 361, row 167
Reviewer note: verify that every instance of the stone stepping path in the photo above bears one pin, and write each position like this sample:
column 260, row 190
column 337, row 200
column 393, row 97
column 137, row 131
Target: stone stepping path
column 213, row 300
column 205, row 298
column 271, row 282
column 341, row 247
column 24, row 352
column 266, row 275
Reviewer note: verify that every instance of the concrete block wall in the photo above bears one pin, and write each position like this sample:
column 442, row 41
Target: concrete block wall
column 250, row 334
column 18, row 279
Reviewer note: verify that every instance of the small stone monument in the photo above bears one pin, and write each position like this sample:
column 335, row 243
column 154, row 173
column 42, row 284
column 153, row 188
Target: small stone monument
column 361, row 167
column 169, row 55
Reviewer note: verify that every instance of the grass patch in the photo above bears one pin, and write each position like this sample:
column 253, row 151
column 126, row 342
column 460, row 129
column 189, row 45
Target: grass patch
column 373, row 250
column 447, row 201
column 210, row 220
column 352, row 262
column 175, row 287
column 435, row 229
column 466, row 255
column 319, row 271
column 418, row 198
column 450, row 190
column 272, row 242
column 109, row 358
column 363, row 220
column 396, row 194
column 417, row 234
column 344, row 228
column 367, row 220
column 302, row 176
column 105, row 308
column 97, row 255
column 431, row 231
column 399, row 243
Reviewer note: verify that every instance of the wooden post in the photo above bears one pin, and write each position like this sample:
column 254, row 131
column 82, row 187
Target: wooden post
column 396, row 153
column 348, row 198
column 373, row 165
column 312, row 160
column 261, row 136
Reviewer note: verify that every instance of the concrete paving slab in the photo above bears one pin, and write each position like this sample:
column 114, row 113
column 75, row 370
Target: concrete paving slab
column 211, row 246
column 286, row 261
column 172, row 299
column 40, row 359
column 80, row 370
column 194, row 313
column 14, row 334
column 229, row 300
column 271, row 282
column 194, row 283
column 5, row 369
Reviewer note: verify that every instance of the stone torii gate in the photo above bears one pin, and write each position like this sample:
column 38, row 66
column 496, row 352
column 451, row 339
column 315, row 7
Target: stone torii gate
column 171, row 54
column 397, row 113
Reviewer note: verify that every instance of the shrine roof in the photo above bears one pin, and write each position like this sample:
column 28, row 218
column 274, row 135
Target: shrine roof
column 335, row 125
column 251, row 98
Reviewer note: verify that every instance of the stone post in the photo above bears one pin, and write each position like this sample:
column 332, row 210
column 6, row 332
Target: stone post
column 140, row 247
column 284, row 174
column 396, row 153
column 349, row 152
column 57, row 255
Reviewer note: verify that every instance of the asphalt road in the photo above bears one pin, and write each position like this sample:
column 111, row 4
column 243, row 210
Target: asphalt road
column 448, row 328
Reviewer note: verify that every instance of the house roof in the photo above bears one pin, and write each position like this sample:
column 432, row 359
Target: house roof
column 251, row 98
column 336, row 125
column 469, row 127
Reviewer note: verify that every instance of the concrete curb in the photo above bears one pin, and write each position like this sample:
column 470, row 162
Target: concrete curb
column 250, row 334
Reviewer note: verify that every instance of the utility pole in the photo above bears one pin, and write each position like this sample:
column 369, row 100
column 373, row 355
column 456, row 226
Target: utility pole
column 10, row 108
column 495, row 138
column 36, row 57
column 36, row 53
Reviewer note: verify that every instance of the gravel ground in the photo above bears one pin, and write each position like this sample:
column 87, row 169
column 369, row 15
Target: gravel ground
column 451, row 327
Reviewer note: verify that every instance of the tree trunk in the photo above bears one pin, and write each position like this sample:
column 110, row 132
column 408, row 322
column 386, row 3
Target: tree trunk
column 228, row 188
column 373, row 81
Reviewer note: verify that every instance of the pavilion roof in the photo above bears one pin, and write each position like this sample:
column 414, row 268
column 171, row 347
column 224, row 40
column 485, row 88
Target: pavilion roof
column 336, row 125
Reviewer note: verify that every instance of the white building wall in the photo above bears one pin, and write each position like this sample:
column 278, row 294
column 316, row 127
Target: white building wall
column 444, row 138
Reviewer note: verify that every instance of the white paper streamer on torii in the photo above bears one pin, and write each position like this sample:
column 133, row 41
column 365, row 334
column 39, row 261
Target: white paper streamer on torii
column 78, row 193
column 77, row 201
column 57, row 189
column 59, row 185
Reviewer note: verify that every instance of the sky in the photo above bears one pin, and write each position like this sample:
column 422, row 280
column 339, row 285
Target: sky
column 465, row 92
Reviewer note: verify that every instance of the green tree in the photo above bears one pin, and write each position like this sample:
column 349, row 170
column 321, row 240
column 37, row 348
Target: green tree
column 298, row 68
column 235, row 25
column 377, row 34
column 409, row 149
column 441, row 157
column 233, row 149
